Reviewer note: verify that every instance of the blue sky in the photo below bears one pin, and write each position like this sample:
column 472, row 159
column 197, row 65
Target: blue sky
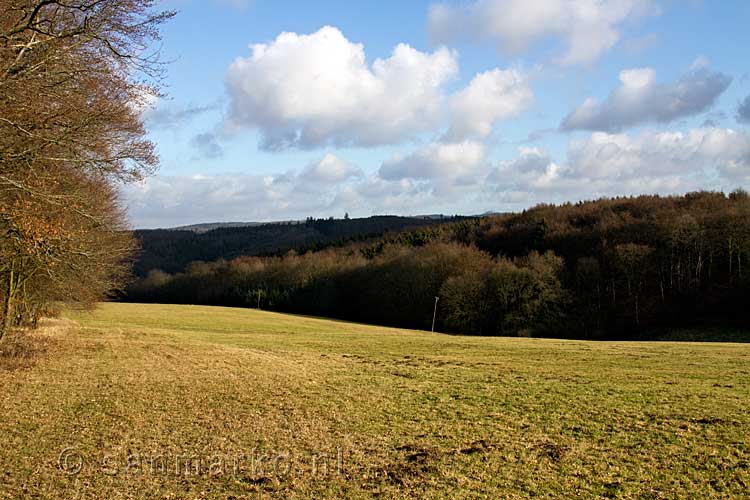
column 441, row 107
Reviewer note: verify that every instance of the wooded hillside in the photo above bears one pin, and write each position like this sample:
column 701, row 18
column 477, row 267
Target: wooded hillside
column 606, row 268
column 172, row 250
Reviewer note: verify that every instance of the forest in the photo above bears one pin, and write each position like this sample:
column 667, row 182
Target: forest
column 610, row 268
column 172, row 250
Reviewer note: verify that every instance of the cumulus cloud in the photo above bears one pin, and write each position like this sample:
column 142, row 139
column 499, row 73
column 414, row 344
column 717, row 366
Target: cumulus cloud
column 743, row 111
column 441, row 162
column 314, row 90
column 612, row 164
column 640, row 99
column 330, row 169
column 533, row 168
column 490, row 97
column 587, row 28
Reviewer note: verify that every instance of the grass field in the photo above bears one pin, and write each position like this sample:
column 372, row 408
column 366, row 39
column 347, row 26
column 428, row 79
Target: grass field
column 154, row 401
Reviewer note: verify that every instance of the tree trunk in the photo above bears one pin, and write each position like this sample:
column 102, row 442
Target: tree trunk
column 637, row 311
column 661, row 286
column 8, row 305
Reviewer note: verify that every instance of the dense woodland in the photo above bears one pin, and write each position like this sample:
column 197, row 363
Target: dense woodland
column 172, row 250
column 601, row 269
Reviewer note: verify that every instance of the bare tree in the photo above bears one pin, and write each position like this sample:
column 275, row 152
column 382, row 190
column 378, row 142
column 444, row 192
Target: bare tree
column 74, row 75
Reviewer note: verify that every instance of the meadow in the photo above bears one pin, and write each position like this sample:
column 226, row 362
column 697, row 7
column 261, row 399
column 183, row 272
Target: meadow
column 174, row 401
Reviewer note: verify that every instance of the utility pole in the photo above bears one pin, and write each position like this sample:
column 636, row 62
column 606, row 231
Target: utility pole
column 434, row 313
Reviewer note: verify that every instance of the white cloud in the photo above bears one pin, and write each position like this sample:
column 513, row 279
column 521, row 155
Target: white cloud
column 639, row 99
column 330, row 169
column 620, row 156
column 614, row 164
column 588, row 27
column 441, row 162
column 533, row 169
column 168, row 201
column 330, row 186
column 428, row 180
column 490, row 96
column 455, row 178
column 402, row 196
column 165, row 201
column 314, row 90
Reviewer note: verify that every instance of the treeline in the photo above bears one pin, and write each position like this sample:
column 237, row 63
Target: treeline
column 601, row 269
column 72, row 76
column 172, row 250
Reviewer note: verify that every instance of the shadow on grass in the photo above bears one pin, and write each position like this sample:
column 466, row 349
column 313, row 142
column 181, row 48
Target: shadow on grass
column 700, row 335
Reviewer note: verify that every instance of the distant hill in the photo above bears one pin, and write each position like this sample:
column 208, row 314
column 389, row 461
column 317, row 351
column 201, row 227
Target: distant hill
column 171, row 250
column 210, row 226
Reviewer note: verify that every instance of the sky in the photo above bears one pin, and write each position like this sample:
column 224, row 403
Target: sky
column 281, row 110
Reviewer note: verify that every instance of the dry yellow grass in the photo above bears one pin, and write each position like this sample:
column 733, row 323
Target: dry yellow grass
column 156, row 401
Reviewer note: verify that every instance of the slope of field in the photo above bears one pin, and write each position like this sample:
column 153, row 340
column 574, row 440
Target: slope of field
column 152, row 401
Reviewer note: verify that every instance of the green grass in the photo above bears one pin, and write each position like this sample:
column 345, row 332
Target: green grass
column 407, row 414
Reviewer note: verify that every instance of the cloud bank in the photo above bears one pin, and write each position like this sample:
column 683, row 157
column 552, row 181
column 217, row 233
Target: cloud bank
column 455, row 175
column 613, row 164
